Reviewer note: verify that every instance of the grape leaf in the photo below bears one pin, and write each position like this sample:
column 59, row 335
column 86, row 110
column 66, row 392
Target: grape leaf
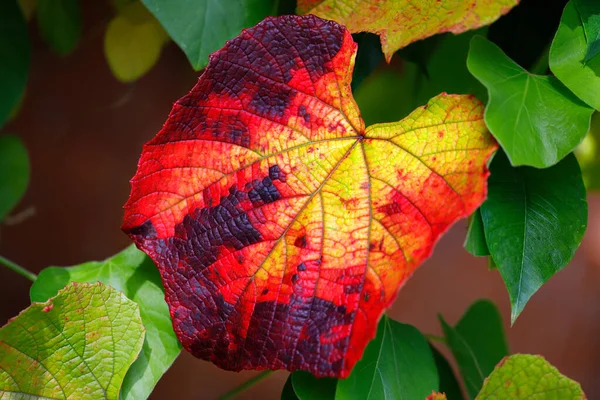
column 568, row 56
column 536, row 119
column 401, row 22
column 534, row 220
column 14, row 172
column 524, row 376
column 282, row 227
column 77, row 345
column 60, row 24
column 201, row 27
column 131, row 272
column 133, row 42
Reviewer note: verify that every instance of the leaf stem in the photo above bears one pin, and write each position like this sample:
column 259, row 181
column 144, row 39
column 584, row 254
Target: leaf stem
column 18, row 269
column 245, row 385
column 434, row 338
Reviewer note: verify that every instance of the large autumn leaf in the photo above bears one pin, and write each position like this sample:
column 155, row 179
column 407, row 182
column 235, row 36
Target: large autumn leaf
column 401, row 22
column 282, row 227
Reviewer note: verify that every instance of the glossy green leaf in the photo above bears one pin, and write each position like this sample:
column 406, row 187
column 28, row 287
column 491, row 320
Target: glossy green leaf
column 307, row 387
column 589, row 11
column 397, row 364
column 15, row 53
column 524, row 376
column 568, row 56
column 534, row 220
column 14, row 172
column 287, row 393
column 588, row 155
column 131, row 272
column 202, row 27
column 475, row 241
column 477, row 343
column 448, row 382
column 60, row 24
column 536, row 119
column 78, row 345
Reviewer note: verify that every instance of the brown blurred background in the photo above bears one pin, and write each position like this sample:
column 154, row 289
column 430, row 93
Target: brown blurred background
column 84, row 131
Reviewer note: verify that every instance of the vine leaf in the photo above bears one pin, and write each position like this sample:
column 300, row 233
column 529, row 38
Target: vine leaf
column 77, row 345
column 133, row 273
column 525, row 376
column 282, row 227
column 401, row 22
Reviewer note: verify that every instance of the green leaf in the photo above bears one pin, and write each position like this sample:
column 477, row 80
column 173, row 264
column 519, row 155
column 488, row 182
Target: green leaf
column 78, row 345
column 133, row 273
column 448, row 382
column 475, row 241
column 568, row 55
column 588, row 155
column 397, row 364
column 534, row 220
column 589, row 11
column 536, row 119
column 202, row 27
column 524, row 376
column 477, row 343
column 133, row 42
column 14, row 173
column 60, row 24
column 287, row 393
column 15, row 53
column 307, row 387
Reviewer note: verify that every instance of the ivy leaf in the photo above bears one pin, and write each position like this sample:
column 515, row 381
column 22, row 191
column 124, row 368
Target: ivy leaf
column 202, row 27
column 283, row 228
column 569, row 52
column 477, row 343
column 15, row 53
column 77, row 345
column 397, row 364
column 401, row 22
column 475, row 241
column 536, row 119
column 524, row 376
column 135, row 275
column 133, row 42
column 14, row 172
column 60, row 24
column 534, row 220
column 307, row 387
column 589, row 12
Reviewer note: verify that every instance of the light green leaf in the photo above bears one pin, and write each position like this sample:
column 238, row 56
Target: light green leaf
column 589, row 11
column 78, row 345
column 536, row 119
column 475, row 241
column 202, row 27
column 477, row 343
column 588, row 155
column 568, row 55
column 524, row 376
column 307, row 387
column 534, row 220
column 397, row 364
column 15, row 53
column 133, row 273
column 133, row 42
column 14, row 173
column 60, row 24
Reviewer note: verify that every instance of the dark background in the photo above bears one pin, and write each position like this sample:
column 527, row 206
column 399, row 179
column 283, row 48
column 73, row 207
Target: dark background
column 84, row 131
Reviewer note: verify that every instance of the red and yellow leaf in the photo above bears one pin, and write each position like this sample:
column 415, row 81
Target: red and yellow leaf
column 282, row 227
column 401, row 22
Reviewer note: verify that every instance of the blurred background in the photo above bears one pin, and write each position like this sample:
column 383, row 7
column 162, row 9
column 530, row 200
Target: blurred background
column 84, row 131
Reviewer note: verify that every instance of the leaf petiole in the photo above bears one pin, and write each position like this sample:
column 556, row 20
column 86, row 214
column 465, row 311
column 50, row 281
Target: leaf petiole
column 18, row 269
column 245, row 385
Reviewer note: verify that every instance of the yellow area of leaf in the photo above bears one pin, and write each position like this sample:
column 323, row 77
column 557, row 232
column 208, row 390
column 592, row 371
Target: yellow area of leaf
column 401, row 22
column 133, row 42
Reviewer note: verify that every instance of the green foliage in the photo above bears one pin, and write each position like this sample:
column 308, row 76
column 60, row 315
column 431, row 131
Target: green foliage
column 570, row 51
column 477, row 343
column 60, row 24
column 475, row 242
column 77, row 345
column 589, row 11
column 307, row 387
column 534, row 220
column 448, row 382
column 133, row 273
column 525, row 376
column 201, row 28
column 397, row 364
column 14, row 172
column 15, row 54
column 536, row 119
